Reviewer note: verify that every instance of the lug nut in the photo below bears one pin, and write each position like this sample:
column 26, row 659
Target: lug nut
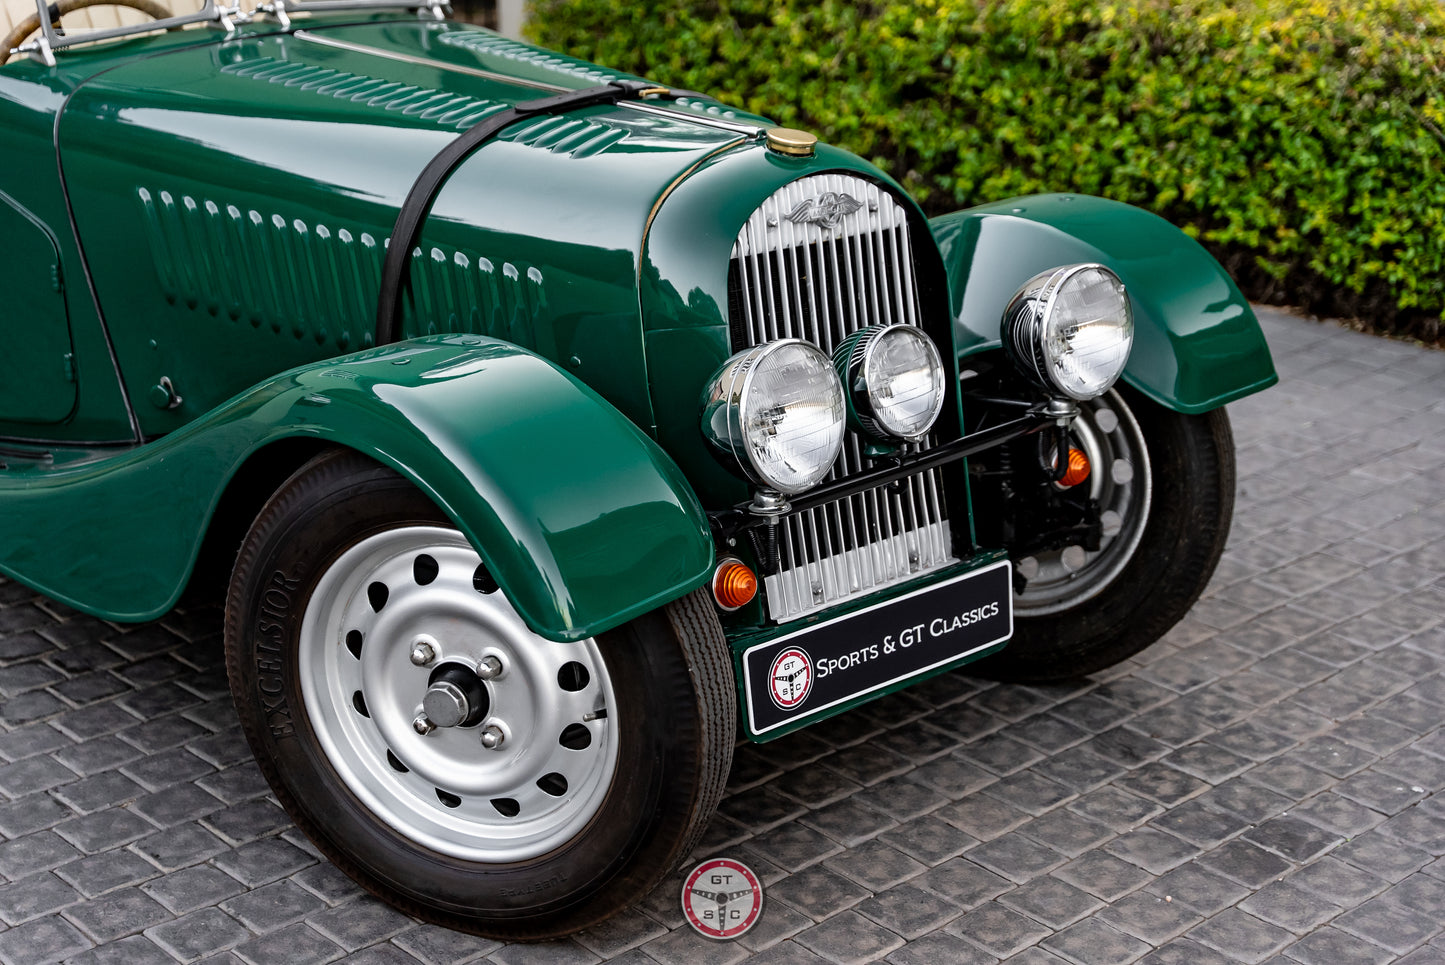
column 445, row 705
column 422, row 725
column 489, row 667
column 492, row 737
column 422, row 652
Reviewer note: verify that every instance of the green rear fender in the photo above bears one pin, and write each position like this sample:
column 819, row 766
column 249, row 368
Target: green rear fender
column 1197, row 344
column 583, row 521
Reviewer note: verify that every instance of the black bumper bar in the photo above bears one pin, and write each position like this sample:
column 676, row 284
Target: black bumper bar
column 743, row 517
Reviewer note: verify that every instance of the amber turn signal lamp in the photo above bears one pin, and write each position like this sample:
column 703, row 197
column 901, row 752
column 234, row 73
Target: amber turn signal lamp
column 1078, row 469
column 733, row 584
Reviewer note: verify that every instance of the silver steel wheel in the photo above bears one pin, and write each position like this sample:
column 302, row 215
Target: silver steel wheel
column 522, row 752
column 1121, row 483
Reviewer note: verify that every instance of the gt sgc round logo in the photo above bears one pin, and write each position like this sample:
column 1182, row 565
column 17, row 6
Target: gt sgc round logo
column 722, row 898
column 791, row 678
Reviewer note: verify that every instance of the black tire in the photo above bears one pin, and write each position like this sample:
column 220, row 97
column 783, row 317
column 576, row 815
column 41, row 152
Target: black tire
column 673, row 725
column 1191, row 461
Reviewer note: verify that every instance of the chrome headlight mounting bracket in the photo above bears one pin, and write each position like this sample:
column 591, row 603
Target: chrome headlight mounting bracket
column 766, row 502
column 1063, row 412
column 771, row 507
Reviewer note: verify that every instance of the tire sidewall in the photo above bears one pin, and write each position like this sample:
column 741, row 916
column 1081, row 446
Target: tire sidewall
column 622, row 847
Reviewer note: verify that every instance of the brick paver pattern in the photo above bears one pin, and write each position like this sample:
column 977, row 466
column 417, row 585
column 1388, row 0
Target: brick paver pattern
column 1263, row 784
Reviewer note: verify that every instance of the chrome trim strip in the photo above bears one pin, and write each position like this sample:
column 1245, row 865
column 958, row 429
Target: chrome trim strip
column 703, row 120
column 706, row 120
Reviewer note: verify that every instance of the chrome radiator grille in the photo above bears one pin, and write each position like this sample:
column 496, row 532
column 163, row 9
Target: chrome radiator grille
column 821, row 258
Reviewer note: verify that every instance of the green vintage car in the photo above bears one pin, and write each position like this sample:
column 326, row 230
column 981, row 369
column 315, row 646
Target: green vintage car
column 549, row 429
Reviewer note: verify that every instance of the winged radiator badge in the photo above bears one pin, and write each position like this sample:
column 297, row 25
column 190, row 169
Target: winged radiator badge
column 826, row 210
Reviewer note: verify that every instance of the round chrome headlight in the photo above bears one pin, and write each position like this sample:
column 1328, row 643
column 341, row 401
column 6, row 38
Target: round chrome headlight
column 893, row 378
column 1070, row 329
column 776, row 412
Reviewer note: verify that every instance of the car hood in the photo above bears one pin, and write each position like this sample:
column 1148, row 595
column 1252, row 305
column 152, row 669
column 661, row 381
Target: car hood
column 235, row 200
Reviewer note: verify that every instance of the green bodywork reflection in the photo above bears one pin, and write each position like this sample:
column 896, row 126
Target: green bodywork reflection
column 237, row 260
column 37, row 370
column 1197, row 344
column 583, row 521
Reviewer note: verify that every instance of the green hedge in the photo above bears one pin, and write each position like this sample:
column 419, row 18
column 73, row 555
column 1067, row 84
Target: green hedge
column 1301, row 141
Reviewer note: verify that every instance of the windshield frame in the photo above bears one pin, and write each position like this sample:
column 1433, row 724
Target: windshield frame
column 48, row 39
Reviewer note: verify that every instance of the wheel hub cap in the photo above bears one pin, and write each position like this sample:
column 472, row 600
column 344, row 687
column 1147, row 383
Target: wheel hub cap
column 492, row 744
column 456, row 697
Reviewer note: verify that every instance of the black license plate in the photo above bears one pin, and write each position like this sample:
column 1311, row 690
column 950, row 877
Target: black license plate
column 827, row 664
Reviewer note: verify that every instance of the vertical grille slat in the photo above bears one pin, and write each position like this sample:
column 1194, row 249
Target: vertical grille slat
column 802, row 278
column 903, row 314
column 829, row 251
column 879, row 289
column 935, row 504
column 789, row 593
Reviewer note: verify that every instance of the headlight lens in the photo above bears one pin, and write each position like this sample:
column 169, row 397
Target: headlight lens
column 893, row 377
column 1070, row 329
column 776, row 411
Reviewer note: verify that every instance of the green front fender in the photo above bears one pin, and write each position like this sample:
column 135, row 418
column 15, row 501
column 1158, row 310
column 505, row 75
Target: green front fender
column 1197, row 344
column 583, row 521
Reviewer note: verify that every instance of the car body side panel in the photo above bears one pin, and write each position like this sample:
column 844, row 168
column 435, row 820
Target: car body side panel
column 30, row 97
column 1197, row 344
column 37, row 368
column 221, row 258
column 579, row 516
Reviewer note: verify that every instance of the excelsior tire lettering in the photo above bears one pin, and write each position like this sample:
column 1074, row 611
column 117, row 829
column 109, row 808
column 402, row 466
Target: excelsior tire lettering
column 276, row 601
column 276, row 604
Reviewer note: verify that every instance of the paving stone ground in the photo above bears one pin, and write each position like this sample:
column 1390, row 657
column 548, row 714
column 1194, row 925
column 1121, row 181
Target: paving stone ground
column 1265, row 784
